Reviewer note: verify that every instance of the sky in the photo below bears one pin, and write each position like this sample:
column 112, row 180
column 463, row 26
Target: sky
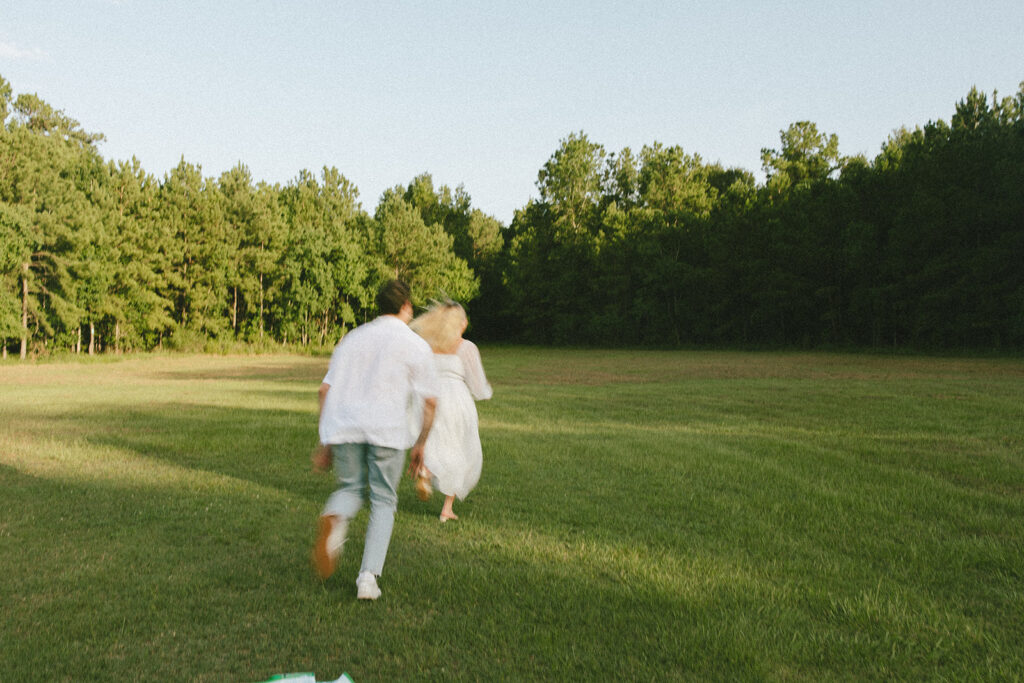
column 480, row 94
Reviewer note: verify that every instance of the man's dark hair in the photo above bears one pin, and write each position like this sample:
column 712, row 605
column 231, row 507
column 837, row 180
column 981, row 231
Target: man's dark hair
column 392, row 296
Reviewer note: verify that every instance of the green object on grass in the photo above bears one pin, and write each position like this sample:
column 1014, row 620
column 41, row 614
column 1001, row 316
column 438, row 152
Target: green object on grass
column 305, row 678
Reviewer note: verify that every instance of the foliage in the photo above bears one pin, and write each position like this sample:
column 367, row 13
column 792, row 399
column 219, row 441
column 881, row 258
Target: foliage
column 100, row 255
column 919, row 247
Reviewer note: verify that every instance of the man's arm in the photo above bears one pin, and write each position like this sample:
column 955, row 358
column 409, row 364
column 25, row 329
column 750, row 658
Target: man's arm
column 324, row 388
column 416, row 452
column 322, row 454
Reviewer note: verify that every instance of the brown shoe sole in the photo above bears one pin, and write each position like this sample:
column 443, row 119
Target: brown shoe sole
column 323, row 563
column 423, row 489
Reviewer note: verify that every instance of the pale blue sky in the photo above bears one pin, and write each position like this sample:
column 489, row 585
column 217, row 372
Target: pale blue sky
column 481, row 93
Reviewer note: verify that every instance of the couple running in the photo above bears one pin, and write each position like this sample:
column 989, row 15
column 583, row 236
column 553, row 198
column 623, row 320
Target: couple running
column 387, row 389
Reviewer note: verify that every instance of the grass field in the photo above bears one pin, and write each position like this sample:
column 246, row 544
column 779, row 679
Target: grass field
column 641, row 516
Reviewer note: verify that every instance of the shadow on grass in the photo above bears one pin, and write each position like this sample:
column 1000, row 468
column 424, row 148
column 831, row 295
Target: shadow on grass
column 110, row 577
column 171, row 542
column 107, row 579
column 268, row 447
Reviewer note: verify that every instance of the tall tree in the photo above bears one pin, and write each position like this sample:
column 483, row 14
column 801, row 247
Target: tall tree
column 241, row 212
column 255, row 216
column 10, row 267
column 476, row 237
column 6, row 94
column 145, row 315
column 806, row 156
column 198, row 250
column 40, row 195
column 405, row 247
column 322, row 271
column 570, row 183
column 94, row 260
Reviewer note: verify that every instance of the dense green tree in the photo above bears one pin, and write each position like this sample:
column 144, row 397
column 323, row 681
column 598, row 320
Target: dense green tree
column 140, row 284
column 37, row 116
column 404, row 246
column 536, row 302
column 237, row 192
column 94, row 258
column 554, row 246
column 476, row 237
column 675, row 184
column 10, row 268
column 197, row 248
column 672, row 219
column 570, row 183
column 620, row 184
column 955, row 238
column 805, row 157
column 323, row 274
column 6, row 95
column 255, row 217
column 42, row 207
column 348, row 258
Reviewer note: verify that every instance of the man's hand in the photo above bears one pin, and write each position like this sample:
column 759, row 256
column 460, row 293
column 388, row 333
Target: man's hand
column 321, row 458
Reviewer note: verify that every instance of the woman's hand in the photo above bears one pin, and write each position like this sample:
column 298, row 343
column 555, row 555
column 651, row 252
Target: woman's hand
column 415, row 459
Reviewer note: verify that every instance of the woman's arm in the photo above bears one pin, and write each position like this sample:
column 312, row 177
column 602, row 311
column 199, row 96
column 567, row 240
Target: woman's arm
column 476, row 380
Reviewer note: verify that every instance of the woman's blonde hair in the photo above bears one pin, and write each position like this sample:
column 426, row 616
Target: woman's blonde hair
column 441, row 325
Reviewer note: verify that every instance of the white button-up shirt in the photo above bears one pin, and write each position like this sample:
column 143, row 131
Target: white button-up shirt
column 379, row 375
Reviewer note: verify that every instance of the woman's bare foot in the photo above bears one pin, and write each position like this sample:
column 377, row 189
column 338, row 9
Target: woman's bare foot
column 446, row 509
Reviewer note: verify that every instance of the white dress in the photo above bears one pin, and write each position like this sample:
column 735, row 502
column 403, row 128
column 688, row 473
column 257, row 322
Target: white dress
column 452, row 453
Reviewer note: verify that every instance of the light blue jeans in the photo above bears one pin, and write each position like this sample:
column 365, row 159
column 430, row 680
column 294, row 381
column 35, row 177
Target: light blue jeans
column 362, row 466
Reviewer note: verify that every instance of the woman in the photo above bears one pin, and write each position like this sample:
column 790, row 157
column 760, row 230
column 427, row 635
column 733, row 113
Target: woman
column 452, row 455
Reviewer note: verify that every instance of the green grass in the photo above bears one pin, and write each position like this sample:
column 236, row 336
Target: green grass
column 641, row 516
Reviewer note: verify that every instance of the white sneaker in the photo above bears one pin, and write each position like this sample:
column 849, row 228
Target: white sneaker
column 366, row 587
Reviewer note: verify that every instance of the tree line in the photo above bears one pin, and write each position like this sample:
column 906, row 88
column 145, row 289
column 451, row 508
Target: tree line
column 100, row 255
column 920, row 247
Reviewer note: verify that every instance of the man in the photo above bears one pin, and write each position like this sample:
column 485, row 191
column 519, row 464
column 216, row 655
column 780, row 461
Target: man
column 380, row 383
